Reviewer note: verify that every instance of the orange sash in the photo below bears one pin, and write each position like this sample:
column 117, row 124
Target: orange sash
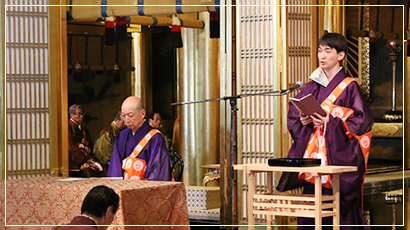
column 316, row 147
column 133, row 166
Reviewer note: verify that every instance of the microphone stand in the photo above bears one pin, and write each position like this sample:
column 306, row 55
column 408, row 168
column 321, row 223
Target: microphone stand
column 281, row 92
column 232, row 102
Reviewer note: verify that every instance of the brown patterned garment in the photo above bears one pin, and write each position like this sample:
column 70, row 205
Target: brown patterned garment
column 77, row 139
column 79, row 220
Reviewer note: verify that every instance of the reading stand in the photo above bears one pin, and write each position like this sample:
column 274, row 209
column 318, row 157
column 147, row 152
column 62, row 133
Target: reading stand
column 286, row 204
column 232, row 102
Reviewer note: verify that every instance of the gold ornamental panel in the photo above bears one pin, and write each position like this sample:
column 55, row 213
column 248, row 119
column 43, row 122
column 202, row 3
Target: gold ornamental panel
column 387, row 130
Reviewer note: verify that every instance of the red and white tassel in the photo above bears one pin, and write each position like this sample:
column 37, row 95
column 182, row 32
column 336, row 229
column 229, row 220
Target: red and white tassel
column 109, row 31
column 121, row 28
column 77, row 74
column 77, row 67
column 372, row 36
column 116, row 73
column 408, row 42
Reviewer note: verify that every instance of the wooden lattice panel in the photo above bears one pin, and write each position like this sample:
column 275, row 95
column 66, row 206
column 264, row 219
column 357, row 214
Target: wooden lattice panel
column 27, row 89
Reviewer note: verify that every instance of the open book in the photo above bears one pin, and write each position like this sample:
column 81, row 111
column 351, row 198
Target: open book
column 308, row 105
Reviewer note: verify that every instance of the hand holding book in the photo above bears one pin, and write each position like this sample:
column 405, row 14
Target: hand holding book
column 308, row 105
column 318, row 120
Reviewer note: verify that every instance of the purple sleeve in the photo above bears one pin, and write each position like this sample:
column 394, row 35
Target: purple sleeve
column 158, row 167
column 300, row 133
column 115, row 167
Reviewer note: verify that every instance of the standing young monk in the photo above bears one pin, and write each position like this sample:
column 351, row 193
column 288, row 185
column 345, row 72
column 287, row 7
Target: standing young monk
column 342, row 137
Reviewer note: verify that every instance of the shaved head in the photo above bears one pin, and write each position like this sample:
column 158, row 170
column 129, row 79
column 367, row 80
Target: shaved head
column 133, row 101
column 133, row 113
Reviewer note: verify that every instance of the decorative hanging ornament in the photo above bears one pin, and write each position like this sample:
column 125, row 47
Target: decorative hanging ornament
column 372, row 36
column 77, row 74
column 121, row 28
column 408, row 42
column 109, row 31
column 77, row 67
column 214, row 24
column 116, row 73
column 176, row 32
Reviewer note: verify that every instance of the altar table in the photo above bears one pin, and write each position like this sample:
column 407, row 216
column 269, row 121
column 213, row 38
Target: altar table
column 286, row 204
column 54, row 201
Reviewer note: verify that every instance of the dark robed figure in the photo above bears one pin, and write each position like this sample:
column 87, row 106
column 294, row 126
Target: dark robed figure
column 97, row 211
column 81, row 143
column 105, row 143
column 346, row 137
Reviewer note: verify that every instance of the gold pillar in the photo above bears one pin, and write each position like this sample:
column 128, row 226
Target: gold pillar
column 406, row 120
column 406, row 137
column 198, row 79
column 334, row 15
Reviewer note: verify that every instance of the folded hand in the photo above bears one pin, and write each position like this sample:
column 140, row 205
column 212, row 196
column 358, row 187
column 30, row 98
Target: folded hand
column 318, row 120
column 305, row 120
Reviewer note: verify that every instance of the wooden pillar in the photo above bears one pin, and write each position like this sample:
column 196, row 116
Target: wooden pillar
column 57, row 34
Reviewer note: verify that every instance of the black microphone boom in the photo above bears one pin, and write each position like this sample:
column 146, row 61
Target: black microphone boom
column 278, row 93
column 297, row 85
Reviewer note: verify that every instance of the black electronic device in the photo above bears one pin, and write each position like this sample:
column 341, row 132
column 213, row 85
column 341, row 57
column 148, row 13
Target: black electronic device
column 294, row 162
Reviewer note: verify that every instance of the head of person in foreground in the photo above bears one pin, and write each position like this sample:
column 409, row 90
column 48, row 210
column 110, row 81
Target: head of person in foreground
column 101, row 203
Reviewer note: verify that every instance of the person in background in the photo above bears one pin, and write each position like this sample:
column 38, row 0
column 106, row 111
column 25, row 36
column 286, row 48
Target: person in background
column 80, row 144
column 342, row 137
column 155, row 120
column 97, row 211
column 152, row 159
column 105, row 143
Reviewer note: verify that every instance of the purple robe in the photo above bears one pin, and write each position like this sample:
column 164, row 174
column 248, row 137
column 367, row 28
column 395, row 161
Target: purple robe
column 340, row 149
column 155, row 154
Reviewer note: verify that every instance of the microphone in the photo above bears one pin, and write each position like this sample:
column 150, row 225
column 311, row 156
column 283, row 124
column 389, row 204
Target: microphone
column 297, row 85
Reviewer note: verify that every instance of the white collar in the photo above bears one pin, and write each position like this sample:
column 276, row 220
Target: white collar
column 89, row 217
column 320, row 77
column 78, row 125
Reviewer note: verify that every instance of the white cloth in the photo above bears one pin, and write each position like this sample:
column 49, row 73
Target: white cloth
column 320, row 77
